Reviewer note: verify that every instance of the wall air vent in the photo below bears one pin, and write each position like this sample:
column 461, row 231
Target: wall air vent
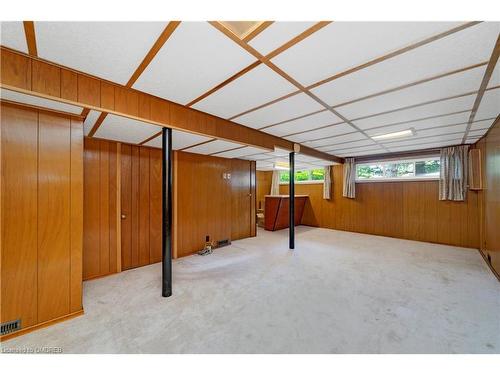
column 12, row 326
column 223, row 243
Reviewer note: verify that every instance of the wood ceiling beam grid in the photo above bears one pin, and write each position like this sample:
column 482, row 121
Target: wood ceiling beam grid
column 17, row 77
column 484, row 84
column 150, row 138
column 290, row 79
column 197, row 144
column 29, row 31
column 311, row 30
column 230, row 149
column 461, row 70
column 162, row 39
column 372, row 62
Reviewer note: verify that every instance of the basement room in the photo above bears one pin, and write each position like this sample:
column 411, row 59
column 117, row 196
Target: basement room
column 250, row 187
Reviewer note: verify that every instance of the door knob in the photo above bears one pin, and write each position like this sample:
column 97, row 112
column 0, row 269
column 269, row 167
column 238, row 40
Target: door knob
column 124, row 217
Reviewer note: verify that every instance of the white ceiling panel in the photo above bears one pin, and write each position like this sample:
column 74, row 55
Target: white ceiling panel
column 306, row 123
column 360, row 152
column 240, row 153
column 283, row 110
column 441, row 56
column 425, row 145
column 90, row 121
column 422, row 124
column 196, row 58
column 419, row 139
column 416, row 113
column 277, row 34
column 260, row 156
column 344, row 45
column 477, row 133
column 12, row 35
column 336, row 130
column 343, row 151
column 110, row 50
column 126, row 130
column 39, row 102
column 482, row 124
column 260, row 85
column 180, row 140
column 212, row 147
column 341, row 145
column 490, row 105
column 323, row 163
column 316, row 139
column 437, row 89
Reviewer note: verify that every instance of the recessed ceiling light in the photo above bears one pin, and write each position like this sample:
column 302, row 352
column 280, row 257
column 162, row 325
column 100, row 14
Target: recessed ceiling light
column 400, row 134
column 241, row 28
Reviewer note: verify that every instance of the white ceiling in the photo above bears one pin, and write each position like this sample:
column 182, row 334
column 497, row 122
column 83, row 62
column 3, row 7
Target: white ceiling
column 90, row 121
column 12, row 35
column 110, row 50
column 18, row 97
column 180, row 140
column 197, row 57
column 194, row 59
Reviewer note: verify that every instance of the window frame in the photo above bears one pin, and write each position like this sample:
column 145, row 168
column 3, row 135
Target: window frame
column 397, row 179
column 306, row 182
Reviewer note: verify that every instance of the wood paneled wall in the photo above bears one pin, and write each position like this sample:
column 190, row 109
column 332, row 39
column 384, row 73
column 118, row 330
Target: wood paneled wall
column 42, row 218
column 409, row 210
column 101, row 241
column 489, row 198
column 206, row 204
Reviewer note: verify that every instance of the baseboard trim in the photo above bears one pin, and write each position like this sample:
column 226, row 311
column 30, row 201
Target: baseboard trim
column 41, row 325
column 497, row 275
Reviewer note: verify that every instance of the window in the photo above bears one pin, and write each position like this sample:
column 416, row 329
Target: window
column 304, row 176
column 427, row 168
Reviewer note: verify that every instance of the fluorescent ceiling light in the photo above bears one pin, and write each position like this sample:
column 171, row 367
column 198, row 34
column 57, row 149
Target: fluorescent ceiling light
column 400, row 134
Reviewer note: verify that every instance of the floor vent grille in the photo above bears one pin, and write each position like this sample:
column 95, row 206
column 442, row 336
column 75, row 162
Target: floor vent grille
column 223, row 243
column 12, row 326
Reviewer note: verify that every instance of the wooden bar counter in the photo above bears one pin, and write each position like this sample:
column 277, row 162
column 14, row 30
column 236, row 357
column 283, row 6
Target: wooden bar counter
column 276, row 211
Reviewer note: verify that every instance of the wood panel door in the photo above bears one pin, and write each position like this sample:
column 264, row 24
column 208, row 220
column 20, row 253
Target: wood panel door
column 140, row 176
column 242, row 205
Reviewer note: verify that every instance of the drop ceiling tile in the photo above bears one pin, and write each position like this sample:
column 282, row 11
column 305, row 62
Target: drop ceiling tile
column 260, row 85
column 490, row 105
column 264, row 166
column 283, row 110
column 465, row 48
column 436, row 122
column 123, row 129
column 412, row 114
column 195, row 58
column 346, row 145
column 18, row 97
column 419, row 139
column 277, row 34
column 331, row 131
column 240, row 152
column 477, row 133
column 482, row 124
column 456, row 84
column 360, row 152
column 318, row 139
column 306, row 123
column 90, row 121
column 344, row 45
column 426, row 145
column 180, row 140
column 110, row 50
column 12, row 35
column 259, row 156
column 213, row 147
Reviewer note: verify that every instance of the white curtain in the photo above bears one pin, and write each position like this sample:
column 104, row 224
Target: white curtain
column 327, row 184
column 349, row 187
column 453, row 173
column 275, row 183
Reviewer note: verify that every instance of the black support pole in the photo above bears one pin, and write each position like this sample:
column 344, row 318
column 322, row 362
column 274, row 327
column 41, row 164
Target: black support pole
column 291, row 198
column 166, row 137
